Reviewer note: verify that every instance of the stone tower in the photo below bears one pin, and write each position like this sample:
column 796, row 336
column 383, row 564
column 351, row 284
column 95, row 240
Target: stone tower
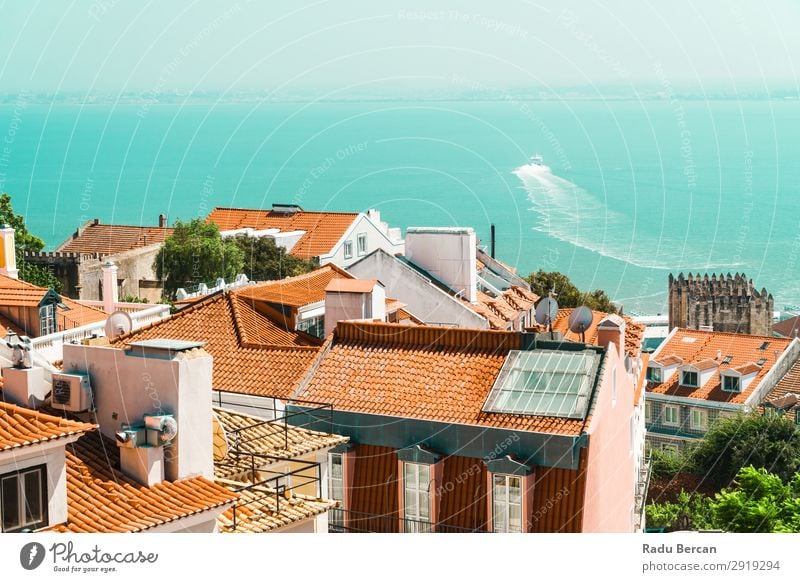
column 728, row 303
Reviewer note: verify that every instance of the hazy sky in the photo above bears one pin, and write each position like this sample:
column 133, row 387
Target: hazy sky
column 114, row 46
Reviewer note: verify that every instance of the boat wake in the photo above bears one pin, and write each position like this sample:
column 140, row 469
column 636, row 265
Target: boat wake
column 569, row 213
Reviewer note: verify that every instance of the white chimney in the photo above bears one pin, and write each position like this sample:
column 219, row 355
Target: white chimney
column 8, row 254
column 154, row 378
column 449, row 255
column 354, row 299
column 110, row 289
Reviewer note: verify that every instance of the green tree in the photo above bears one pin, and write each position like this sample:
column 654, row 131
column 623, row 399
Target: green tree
column 691, row 511
column 196, row 253
column 266, row 261
column 759, row 502
column 763, row 441
column 25, row 241
column 568, row 295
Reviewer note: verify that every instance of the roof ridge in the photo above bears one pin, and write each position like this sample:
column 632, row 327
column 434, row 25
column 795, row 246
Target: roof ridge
column 91, row 225
column 709, row 333
column 301, row 211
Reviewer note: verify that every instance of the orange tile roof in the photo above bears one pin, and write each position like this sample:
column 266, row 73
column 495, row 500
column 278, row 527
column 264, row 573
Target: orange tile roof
column 252, row 353
column 634, row 332
column 789, row 384
column 322, row 229
column 695, row 346
column 433, row 373
column 500, row 311
column 351, row 285
column 23, row 427
column 102, row 499
column 18, row 293
column 788, row 327
column 110, row 239
column 669, row 360
column 296, row 291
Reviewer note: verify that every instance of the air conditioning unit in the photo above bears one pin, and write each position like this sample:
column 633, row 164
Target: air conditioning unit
column 72, row 392
column 161, row 429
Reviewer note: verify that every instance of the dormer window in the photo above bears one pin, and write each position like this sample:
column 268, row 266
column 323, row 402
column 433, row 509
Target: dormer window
column 654, row 374
column 47, row 319
column 24, row 499
column 689, row 379
column 731, row 384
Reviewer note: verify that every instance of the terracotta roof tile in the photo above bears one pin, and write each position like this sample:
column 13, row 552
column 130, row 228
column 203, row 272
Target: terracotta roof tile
column 102, row 499
column 18, row 293
column 322, row 229
column 296, row 291
column 23, row 427
column 695, row 346
column 250, row 434
column 440, row 374
column 110, row 239
column 789, row 384
column 261, row 509
column 500, row 311
column 634, row 332
column 788, row 327
column 252, row 353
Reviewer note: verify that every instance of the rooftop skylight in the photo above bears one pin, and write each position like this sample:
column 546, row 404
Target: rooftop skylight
column 544, row 383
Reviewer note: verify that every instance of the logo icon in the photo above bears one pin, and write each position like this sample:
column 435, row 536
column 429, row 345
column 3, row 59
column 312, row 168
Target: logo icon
column 31, row 555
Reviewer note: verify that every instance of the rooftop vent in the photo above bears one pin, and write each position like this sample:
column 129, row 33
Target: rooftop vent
column 286, row 208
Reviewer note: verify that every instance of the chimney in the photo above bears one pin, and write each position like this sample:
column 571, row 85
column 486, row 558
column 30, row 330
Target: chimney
column 162, row 221
column 154, row 400
column 353, row 299
column 449, row 255
column 8, row 254
column 611, row 332
column 110, row 290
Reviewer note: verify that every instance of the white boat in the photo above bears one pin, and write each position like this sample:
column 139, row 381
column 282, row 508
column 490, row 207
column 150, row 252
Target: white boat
column 537, row 160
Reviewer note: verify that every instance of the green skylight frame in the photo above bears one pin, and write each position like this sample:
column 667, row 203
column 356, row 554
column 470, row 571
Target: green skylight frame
column 544, row 383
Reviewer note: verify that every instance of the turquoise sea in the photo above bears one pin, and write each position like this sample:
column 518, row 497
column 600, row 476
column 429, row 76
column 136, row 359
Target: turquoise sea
column 635, row 189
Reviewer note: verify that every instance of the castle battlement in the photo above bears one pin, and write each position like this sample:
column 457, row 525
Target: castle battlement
column 729, row 303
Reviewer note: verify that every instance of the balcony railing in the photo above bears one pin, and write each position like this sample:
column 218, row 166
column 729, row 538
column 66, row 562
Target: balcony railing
column 344, row 521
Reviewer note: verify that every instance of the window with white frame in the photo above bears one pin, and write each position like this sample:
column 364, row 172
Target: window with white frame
column 506, row 503
column 689, row 378
column 416, row 497
column 348, row 249
column 698, row 419
column 24, row 499
column 47, row 319
column 362, row 244
column 671, row 415
column 648, row 411
column 731, row 384
column 654, row 374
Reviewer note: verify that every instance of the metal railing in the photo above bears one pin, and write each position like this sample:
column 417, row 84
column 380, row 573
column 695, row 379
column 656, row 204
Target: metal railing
column 345, row 521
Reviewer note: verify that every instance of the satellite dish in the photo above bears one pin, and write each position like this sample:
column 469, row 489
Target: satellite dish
column 546, row 311
column 117, row 324
column 580, row 319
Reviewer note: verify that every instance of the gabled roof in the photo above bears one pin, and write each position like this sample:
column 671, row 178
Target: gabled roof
column 789, row 384
column 634, row 332
column 296, row 291
column 698, row 346
column 18, row 293
column 671, row 360
column 111, row 239
column 322, row 229
column 788, row 327
column 430, row 373
column 252, row 353
column 22, row 427
column 704, row 364
column 102, row 499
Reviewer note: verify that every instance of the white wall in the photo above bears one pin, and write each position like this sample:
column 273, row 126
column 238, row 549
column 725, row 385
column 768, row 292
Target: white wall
column 376, row 239
column 128, row 386
column 449, row 254
column 422, row 298
column 354, row 306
